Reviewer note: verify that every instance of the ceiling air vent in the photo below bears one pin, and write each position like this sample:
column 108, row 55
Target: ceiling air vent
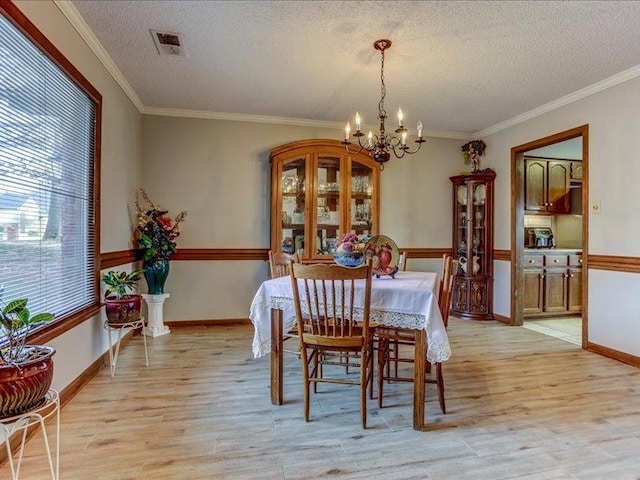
column 169, row 43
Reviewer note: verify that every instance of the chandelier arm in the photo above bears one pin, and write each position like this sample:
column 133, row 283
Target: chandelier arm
column 407, row 150
column 395, row 152
column 360, row 147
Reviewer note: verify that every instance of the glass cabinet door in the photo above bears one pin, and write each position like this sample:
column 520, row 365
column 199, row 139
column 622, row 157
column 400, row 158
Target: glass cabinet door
column 328, row 205
column 478, row 238
column 293, row 194
column 460, row 231
column 361, row 200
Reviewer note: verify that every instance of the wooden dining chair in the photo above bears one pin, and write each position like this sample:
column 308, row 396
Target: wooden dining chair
column 280, row 266
column 280, row 262
column 331, row 319
column 393, row 344
column 399, row 336
column 402, row 261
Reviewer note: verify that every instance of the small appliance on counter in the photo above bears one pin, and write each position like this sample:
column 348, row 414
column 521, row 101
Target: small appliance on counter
column 538, row 237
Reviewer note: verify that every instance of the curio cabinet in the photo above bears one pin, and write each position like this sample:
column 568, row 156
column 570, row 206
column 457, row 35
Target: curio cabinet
column 319, row 192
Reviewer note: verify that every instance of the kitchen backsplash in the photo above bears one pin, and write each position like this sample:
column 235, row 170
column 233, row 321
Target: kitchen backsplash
column 567, row 229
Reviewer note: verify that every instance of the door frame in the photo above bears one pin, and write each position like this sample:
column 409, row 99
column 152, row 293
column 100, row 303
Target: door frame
column 517, row 220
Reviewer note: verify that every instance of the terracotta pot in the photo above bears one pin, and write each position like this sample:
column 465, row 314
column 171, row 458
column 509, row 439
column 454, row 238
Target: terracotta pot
column 23, row 386
column 122, row 310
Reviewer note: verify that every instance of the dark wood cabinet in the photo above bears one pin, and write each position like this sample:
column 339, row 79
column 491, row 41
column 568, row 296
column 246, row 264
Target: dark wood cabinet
column 552, row 284
column 473, row 245
column 547, row 186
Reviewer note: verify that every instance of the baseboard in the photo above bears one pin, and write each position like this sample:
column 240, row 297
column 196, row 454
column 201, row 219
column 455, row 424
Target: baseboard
column 66, row 395
column 217, row 322
column 613, row 354
column 502, row 319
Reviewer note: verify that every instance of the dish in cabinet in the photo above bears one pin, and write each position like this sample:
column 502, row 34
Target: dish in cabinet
column 462, row 195
column 480, row 195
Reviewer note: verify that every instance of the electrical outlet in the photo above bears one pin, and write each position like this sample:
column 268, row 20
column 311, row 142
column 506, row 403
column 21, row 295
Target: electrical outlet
column 596, row 207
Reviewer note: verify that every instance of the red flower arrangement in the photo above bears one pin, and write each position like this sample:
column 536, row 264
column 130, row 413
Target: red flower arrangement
column 155, row 231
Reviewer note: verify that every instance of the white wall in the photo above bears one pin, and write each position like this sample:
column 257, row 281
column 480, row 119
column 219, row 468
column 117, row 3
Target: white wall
column 219, row 172
column 120, row 175
column 613, row 116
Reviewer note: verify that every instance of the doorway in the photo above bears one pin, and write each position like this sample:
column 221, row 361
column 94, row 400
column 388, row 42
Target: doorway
column 518, row 221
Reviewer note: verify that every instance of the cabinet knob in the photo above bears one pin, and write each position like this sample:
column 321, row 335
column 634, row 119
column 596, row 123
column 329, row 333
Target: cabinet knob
column 541, row 275
column 555, row 260
column 532, row 261
column 546, row 204
column 551, row 204
column 580, row 261
column 571, row 275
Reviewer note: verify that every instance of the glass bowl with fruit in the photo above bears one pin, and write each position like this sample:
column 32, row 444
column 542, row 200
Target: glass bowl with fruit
column 350, row 252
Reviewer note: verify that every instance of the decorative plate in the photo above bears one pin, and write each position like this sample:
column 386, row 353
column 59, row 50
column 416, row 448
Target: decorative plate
column 462, row 195
column 384, row 254
column 480, row 194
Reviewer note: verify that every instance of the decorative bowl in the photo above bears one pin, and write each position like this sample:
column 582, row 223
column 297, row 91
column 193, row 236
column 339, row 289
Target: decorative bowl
column 351, row 259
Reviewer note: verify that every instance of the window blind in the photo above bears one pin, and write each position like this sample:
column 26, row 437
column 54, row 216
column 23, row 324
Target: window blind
column 47, row 148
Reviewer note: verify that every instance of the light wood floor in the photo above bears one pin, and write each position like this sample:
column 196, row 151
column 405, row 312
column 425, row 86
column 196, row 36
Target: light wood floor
column 521, row 405
column 564, row 328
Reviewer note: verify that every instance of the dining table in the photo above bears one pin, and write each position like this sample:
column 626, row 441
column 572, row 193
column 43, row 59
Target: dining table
column 408, row 300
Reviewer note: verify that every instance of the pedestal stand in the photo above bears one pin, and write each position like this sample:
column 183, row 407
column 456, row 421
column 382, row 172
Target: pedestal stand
column 37, row 416
column 155, row 326
column 114, row 350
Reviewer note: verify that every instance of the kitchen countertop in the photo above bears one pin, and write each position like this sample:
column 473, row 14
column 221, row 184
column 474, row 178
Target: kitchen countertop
column 553, row 250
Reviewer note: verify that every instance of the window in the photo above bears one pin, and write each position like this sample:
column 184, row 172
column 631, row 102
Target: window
column 49, row 135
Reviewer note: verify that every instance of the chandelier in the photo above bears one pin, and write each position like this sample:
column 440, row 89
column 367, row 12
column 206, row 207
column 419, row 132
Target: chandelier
column 382, row 144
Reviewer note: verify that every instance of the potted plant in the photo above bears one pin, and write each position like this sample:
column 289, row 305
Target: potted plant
column 156, row 233
column 26, row 371
column 121, row 307
column 471, row 152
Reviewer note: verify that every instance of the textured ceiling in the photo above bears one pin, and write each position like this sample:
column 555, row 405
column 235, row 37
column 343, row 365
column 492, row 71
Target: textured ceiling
column 457, row 66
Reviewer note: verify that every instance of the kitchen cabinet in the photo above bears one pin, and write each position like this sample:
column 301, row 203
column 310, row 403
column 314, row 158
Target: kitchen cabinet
column 473, row 245
column 319, row 192
column 547, row 184
column 576, row 172
column 552, row 284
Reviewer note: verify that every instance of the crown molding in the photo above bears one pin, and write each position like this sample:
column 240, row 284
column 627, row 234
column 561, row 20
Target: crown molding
column 621, row 77
column 298, row 122
column 74, row 17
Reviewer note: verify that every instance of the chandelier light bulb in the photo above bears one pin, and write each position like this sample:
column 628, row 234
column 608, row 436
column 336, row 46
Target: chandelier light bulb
column 357, row 122
column 419, row 129
column 404, row 138
column 400, row 117
column 347, row 130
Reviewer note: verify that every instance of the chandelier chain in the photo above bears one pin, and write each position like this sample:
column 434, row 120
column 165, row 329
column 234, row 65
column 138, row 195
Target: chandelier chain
column 383, row 91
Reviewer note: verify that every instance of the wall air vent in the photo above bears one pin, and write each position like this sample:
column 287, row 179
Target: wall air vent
column 169, row 43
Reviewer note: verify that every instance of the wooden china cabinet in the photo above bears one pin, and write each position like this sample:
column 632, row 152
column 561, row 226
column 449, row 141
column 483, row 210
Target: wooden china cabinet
column 473, row 245
column 319, row 192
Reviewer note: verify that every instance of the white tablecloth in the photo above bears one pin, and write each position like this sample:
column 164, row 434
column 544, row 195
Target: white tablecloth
column 407, row 301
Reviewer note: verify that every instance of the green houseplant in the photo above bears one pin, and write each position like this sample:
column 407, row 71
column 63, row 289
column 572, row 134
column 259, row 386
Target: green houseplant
column 120, row 306
column 26, row 371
